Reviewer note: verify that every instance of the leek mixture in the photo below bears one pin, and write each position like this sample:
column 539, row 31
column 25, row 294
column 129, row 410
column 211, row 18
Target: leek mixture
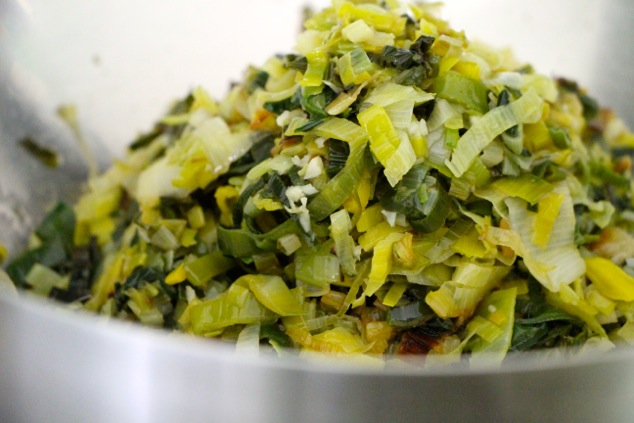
column 390, row 188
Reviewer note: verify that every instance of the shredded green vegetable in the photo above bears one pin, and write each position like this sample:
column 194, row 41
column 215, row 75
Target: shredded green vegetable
column 389, row 188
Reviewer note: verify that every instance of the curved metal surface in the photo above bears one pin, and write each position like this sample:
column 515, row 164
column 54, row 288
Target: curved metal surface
column 120, row 63
column 100, row 371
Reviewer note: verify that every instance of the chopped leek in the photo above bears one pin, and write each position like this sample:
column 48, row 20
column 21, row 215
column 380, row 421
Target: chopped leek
column 273, row 293
column 202, row 269
column 610, row 279
column 338, row 189
column 527, row 109
column 237, row 306
column 389, row 188
column 317, row 269
column 344, row 244
column 460, row 296
column 559, row 262
column 354, row 67
column 471, row 93
column 493, row 326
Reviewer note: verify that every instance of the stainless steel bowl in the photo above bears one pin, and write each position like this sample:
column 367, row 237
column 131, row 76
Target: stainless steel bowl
column 120, row 63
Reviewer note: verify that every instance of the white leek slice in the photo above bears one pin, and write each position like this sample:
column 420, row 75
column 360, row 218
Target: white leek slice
column 559, row 262
column 390, row 93
column 205, row 152
column 249, row 339
column 156, row 182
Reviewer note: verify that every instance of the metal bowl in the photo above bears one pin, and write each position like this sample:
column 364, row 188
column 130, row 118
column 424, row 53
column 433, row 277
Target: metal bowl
column 120, row 63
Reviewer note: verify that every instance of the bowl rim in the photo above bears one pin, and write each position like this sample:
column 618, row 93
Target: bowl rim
column 175, row 343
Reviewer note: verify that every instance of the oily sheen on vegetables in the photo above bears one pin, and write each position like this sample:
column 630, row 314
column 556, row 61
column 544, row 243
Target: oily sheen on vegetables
column 389, row 188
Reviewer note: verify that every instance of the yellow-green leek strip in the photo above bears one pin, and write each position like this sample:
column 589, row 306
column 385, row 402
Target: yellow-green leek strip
column 526, row 109
column 399, row 163
column 370, row 217
column 570, row 302
column 394, row 295
column 471, row 93
column 358, row 32
column 243, row 243
column 273, row 293
column 203, row 154
column 526, row 186
column 381, row 263
column 317, row 64
column 363, row 271
column 493, row 327
column 202, row 269
column 202, row 100
column 442, row 249
column 469, row 285
column 142, row 305
column 338, row 340
column 288, row 244
column 391, row 148
column 164, row 239
column 340, row 227
column 196, row 217
column 177, row 275
column 113, row 272
column 559, row 263
column 333, row 341
column 599, row 301
column 317, row 269
column 609, row 279
column 398, row 102
column 43, row 279
column 547, row 213
column 342, row 129
column 338, row 189
column 383, row 137
column 377, row 233
column 470, row 245
column 601, row 212
column 354, row 67
column 175, row 120
column 237, row 305
column 390, row 93
column 98, row 204
column 345, row 100
column 373, row 16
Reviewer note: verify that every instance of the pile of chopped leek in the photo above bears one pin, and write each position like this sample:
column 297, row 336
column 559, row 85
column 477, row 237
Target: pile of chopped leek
column 390, row 188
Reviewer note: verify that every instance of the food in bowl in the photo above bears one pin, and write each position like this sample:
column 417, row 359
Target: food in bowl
column 389, row 188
